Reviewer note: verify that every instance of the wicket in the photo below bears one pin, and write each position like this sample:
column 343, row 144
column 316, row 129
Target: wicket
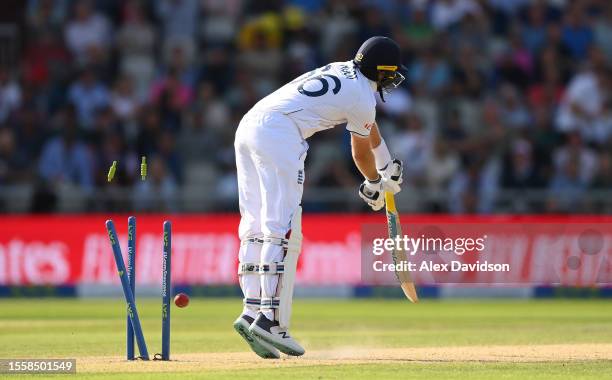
column 166, row 290
column 131, row 267
column 128, row 283
column 127, row 291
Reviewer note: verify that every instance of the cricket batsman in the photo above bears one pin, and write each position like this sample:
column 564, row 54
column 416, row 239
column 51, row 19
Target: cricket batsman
column 270, row 152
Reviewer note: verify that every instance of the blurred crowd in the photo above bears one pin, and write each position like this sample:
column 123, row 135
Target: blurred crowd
column 501, row 97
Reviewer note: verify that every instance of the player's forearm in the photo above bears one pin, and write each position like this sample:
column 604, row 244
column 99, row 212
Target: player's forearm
column 375, row 138
column 363, row 157
column 379, row 148
column 365, row 164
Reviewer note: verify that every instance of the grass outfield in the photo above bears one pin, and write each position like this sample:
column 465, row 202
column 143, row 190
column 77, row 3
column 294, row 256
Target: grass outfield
column 343, row 339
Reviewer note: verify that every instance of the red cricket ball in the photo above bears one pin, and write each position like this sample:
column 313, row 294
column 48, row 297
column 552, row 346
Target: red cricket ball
column 181, row 300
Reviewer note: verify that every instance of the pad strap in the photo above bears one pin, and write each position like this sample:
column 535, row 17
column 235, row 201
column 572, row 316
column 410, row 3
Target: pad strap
column 276, row 241
column 248, row 268
column 270, row 303
column 252, row 301
column 272, row 268
column 253, row 240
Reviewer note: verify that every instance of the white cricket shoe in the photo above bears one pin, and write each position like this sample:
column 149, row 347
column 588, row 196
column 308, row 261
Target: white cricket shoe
column 271, row 332
column 259, row 346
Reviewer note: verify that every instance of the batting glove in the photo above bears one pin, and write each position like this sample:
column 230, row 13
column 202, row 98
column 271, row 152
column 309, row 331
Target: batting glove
column 372, row 193
column 392, row 176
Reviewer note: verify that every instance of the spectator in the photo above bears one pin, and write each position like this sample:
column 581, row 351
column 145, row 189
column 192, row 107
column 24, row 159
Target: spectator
column 577, row 34
column 10, row 95
column 159, row 192
column 447, row 13
column 583, row 157
column 45, row 60
column 312, row 6
column 473, row 190
column 521, row 86
column 88, row 34
column 149, row 131
column 545, row 139
column 441, row 167
column 555, row 40
column 472, row 30
column 603, row 31
column 178, row 57
column 429, row 75
column 373, row 24
column 516, row 64
column 213, row 113
column 88, row 94
column 220, row 23
column 123, row 99
column 12, row 163
column 584, row 100
column 567, row 189
column 513, row 112
column 166, row 146
column 339, row 26
column 418, row 33
column 136, row 41
column 65, row 158
column 262, row 59
column 179, row 17
column 520, row 168
column 327, row 168
column 412, row 145
column 46, row 15
column 29, row 134
column 601, row 131
column 547, row 93
column 396, row 104
column 534, row 30
column 509, row 8
column 171, row 85
column 467, row 78
column 301, row 53
column 603, row 180
column 454, row 134
column 504, row 12
column 105, row 122
column 172, row 97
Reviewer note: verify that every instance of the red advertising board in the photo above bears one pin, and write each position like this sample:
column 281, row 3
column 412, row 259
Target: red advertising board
column 537, row 252
column 71, row 250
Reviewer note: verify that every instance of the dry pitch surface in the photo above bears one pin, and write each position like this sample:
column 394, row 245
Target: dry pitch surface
column 353, row 355
column 344, row 339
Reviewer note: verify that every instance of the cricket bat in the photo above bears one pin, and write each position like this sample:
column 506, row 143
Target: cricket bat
column 395, row 229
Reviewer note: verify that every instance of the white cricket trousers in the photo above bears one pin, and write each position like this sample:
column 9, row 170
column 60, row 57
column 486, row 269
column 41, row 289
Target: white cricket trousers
column 270, row 154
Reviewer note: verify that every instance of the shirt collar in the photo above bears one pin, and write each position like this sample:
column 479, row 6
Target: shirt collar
column 373, row 85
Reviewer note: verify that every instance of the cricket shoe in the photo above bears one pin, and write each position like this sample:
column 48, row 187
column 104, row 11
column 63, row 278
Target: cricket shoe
column 260, row 347
column 271, row 332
